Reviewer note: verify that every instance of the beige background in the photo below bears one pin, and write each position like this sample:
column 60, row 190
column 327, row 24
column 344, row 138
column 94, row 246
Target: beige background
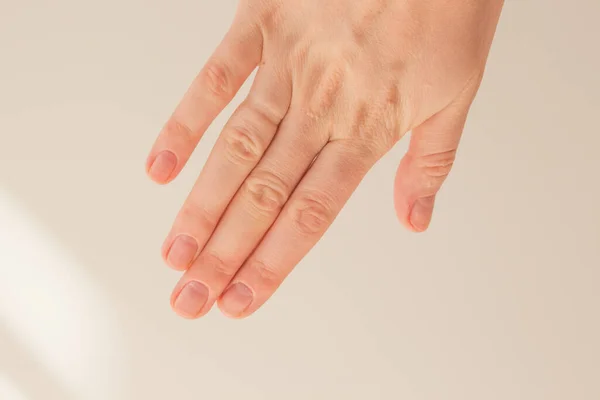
column 498, row 301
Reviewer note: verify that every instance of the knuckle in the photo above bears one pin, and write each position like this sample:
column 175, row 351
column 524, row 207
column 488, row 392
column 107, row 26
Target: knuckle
column 217, row 265
column 394, row 96
column 438, row 165
column 397, row 115
column 361, row 122
column 194, row 215
column 176, row 128
column 327, row 90
column 398, row 110
column 216, row 77
column 264, row 112
column 266, row 192
column 268, row 275
column 312, row 213
column 242, row 144
column 370, row 133
column 244, row 138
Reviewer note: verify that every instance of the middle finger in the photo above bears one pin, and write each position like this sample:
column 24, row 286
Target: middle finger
column 251, row 213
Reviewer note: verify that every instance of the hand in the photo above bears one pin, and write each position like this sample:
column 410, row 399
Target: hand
column 339, row 82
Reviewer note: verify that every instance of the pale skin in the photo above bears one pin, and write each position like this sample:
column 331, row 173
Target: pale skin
column 338, row 84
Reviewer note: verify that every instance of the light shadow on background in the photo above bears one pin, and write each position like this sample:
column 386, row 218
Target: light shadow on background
column 23, row 377
column 57, row 322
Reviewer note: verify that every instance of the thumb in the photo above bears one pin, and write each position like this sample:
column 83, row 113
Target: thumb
column 428, row 162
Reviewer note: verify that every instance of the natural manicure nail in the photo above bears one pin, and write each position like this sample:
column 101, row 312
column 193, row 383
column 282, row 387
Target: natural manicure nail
column 182, row 252
column 236, row 300
column 163, row 166
column 420, row 216
column 191, row 300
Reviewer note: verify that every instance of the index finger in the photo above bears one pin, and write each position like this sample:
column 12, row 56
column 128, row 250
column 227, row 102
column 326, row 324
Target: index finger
column 213, row 89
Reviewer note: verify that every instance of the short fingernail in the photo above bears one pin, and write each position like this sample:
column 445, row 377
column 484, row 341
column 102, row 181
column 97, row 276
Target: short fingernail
column 421, row 213
column 163, row 166
column 236, row 300
column 182, row 252
column 191, row 300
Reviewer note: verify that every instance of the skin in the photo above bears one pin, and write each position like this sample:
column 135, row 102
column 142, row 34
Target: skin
column 339, row 83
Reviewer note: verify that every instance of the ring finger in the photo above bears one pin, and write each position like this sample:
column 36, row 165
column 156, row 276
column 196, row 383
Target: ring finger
column 237, row 151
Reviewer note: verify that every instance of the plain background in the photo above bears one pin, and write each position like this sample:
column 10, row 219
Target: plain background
column 498, row 301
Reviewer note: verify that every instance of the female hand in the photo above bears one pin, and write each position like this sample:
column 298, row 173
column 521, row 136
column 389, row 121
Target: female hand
column 339, row 82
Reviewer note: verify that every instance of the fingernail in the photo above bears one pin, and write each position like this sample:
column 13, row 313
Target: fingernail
column 421, row 213
column 236, row 300
column 182, row 252
column 163, row 166
column 191, row 300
